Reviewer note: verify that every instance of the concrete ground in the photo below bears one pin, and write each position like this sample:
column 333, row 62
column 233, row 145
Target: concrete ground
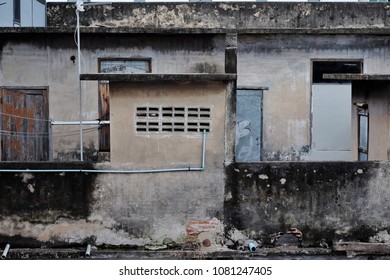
column 347, row 251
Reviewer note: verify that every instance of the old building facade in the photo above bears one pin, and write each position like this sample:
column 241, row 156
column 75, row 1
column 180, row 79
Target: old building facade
column 195, row 112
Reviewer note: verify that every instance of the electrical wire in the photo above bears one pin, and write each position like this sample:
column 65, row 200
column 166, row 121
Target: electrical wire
column 26, row 118
column 103, row 118
column 60, row 133
column 45, row 134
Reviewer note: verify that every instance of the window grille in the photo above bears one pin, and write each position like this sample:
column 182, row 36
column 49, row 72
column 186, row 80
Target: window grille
column 169, row 119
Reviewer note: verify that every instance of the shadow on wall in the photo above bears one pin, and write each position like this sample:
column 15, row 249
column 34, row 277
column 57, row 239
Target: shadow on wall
column 43, row 198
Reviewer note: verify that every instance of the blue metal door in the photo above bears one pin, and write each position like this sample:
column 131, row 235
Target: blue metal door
column 248, row 126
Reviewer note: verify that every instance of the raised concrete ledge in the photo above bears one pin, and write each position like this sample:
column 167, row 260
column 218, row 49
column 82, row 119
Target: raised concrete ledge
column 359, row 248
column 158, row 77
column 357, row 77
column 196, row 31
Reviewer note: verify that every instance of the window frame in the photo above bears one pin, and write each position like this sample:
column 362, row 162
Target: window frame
column 363, row 112
column 147, row 59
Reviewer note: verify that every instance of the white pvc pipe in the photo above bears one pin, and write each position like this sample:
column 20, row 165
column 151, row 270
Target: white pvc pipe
column 202, row 168
column 5, row 252
column 252, row 247
column 99, row 170
column 94, row 122
column 79, row 82
column 203, row 148
column 88, row 251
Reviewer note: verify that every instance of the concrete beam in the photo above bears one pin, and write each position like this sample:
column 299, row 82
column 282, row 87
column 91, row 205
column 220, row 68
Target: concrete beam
column 357, row 77
column 370, row 30
column 157, row 77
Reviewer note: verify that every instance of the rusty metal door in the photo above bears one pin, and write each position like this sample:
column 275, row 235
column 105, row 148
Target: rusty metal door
column 24, row 124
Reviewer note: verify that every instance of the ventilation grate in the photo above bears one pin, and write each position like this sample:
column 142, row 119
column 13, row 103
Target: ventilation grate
column 166, row 119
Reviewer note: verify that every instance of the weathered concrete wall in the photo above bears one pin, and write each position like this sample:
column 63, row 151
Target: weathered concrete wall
column 71, row 209
column 35, row 207
column 240, row 16
column 167, row 149
column 337, row 201
column 136, row 209
column 333, row 200
column 280, row 62
column 45, row 61
column 40, row 60
column 149, row 207
column 283, row 63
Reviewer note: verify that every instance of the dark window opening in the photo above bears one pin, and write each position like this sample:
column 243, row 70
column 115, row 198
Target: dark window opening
column 16, row 12
column 363, row 126
column 335, row 67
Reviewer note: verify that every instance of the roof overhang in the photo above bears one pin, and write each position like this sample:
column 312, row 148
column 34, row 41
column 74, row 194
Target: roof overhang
column 158, row 77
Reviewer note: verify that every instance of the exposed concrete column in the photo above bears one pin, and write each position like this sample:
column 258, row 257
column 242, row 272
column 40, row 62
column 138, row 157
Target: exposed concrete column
column 230, row 118
column 231, row 53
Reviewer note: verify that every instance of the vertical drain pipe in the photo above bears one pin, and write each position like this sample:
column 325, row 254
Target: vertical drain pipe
column 5, row 252
column 88, row 251
column 203, row 148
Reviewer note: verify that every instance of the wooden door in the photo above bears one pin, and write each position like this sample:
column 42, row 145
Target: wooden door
column 24, row 124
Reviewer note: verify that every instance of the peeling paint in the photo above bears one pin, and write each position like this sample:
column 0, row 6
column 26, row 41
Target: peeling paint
column 263, row 176
column 68, row 231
